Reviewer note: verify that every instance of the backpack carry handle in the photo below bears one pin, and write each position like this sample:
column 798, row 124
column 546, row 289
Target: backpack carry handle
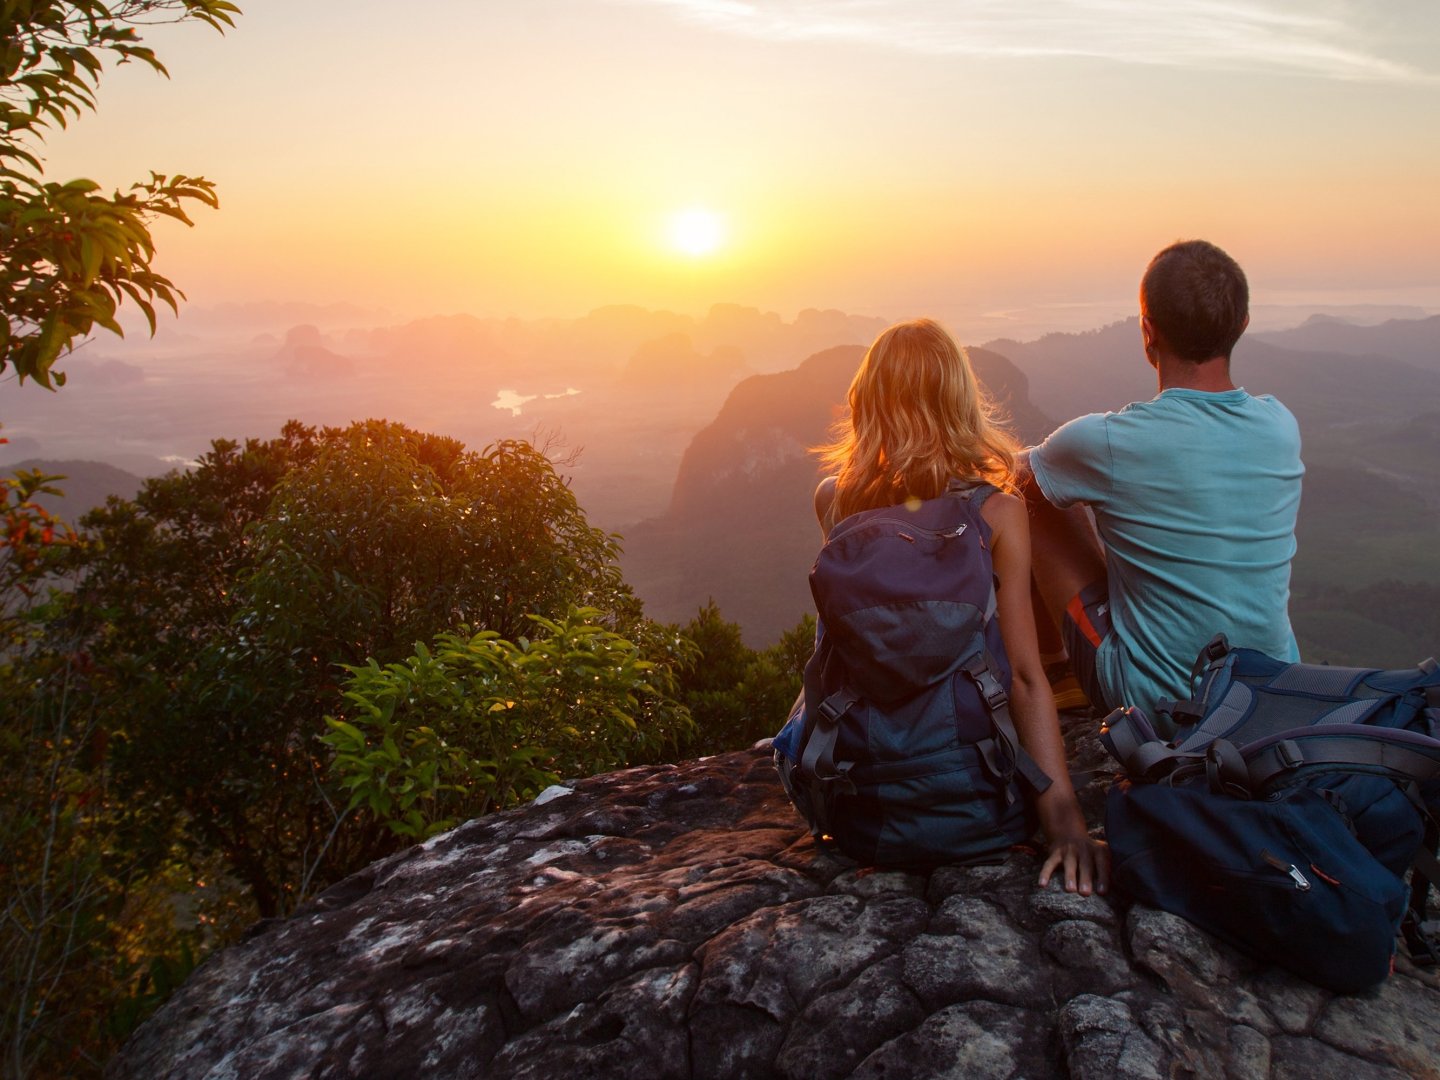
column 1226, row 771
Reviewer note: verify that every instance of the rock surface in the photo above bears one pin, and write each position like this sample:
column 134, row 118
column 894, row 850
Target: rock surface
column 679, row 922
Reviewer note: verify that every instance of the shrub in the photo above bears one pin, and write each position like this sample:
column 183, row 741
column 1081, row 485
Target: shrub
column 478, row 723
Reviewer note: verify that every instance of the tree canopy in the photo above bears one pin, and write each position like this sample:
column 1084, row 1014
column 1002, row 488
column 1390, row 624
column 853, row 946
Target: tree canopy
column 70, row 254
column 220, row 605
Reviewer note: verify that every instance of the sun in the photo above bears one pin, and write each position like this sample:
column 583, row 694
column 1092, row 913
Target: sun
column 696, row 231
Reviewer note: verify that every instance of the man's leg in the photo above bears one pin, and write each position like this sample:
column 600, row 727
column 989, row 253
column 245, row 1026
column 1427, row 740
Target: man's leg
column 1065, row 553
column 1068, row 568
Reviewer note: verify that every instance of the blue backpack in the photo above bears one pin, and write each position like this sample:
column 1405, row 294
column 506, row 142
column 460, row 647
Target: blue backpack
column 1286, row 811
column 901, row 749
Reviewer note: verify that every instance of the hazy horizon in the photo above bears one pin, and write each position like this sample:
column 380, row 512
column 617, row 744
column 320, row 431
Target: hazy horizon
column 233, row 321
column 1002, row 169
column 629, row 386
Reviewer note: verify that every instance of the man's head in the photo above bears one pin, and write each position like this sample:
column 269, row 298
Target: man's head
column 1196, row 301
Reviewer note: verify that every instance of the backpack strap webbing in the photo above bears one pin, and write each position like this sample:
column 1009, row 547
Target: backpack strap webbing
column 981, row 671
column 817, row 769
column 1210, row 657
column 1401, row 755
column 818, row 759
column 1131, row 739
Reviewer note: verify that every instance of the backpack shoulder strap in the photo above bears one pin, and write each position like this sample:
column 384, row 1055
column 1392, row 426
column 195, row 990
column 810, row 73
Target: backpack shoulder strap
column 975, row 492
column 1396, row 753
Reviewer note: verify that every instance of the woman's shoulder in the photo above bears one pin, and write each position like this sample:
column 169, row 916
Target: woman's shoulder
column 825, row 501
column 1001, row 508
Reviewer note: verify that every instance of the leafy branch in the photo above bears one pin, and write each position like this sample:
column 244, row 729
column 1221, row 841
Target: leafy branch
column 69, row 255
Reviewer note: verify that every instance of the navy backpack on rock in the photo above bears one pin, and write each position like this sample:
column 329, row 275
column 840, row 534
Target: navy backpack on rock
column 901, row 749
column 1284, row 814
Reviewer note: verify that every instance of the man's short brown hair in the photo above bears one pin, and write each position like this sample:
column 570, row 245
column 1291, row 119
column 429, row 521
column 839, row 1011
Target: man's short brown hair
column 1197, row 300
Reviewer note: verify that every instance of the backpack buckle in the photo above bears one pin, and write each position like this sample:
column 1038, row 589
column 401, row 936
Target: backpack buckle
column 840, row 782
column 1215, row 650
column 1289, row 753
column 836, row 705
column 989, row 686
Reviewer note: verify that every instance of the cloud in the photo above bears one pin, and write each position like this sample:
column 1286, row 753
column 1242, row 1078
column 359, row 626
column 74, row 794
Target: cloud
column 1318, row 38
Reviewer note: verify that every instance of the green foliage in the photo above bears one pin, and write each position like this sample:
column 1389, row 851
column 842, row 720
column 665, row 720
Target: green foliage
column 738, row 695
column 59, row 888
column 70, row 255
column 166, row 765
column 160, row 977
column 32, row 542
column 221, row 604
column 479, row 723
column 74, row 875
column 386, row 535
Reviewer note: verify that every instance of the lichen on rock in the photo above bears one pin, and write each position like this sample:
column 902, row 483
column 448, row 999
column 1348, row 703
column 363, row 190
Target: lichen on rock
column 679, row 921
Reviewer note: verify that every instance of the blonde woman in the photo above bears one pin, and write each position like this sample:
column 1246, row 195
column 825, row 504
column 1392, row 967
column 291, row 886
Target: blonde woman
column 920, row 425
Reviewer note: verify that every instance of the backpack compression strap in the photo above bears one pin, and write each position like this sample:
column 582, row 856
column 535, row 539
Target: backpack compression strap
column 817, row 769
column 1209, row 665
column 981, row 671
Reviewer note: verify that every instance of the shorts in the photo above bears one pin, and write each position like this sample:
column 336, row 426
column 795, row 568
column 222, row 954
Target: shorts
column 1085, row 625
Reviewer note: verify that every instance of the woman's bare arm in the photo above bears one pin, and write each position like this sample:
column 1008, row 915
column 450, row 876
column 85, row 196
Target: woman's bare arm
column 1085, row 864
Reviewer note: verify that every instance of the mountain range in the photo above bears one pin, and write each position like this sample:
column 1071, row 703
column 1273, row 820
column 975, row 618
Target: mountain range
column 739, row 528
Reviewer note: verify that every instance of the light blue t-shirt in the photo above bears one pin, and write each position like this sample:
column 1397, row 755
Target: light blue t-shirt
column 1195, row 495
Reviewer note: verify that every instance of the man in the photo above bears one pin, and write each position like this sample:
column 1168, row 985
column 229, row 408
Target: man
column 1194, row 495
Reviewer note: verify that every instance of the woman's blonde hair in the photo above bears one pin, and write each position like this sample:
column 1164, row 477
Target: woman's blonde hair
column 918, row 418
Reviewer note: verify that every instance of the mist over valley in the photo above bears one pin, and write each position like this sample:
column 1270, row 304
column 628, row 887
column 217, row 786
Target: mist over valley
column 690, row 435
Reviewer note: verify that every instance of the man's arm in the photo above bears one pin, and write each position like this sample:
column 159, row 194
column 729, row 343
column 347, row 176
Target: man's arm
column 1074, row 463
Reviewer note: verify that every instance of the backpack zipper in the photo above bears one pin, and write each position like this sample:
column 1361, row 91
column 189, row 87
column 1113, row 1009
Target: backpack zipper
column 1302, row 883
column 910, row 527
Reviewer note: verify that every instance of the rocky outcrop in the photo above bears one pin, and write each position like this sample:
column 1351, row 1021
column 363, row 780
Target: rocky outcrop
column 678, row 921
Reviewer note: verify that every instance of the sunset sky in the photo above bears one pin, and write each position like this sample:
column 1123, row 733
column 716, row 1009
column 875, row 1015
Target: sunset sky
column 963, row 158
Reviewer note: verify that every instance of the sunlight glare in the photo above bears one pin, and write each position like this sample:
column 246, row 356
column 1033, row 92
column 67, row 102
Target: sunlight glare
column 696, row 231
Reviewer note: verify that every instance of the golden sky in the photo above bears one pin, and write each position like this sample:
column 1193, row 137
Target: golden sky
column 888, row 157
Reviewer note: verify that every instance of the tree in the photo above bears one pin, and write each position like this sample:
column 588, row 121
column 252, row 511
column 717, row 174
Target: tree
column 738, row 695
column 221, row 604
column 89, row 935
column 70, row 255
column 386, row 535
